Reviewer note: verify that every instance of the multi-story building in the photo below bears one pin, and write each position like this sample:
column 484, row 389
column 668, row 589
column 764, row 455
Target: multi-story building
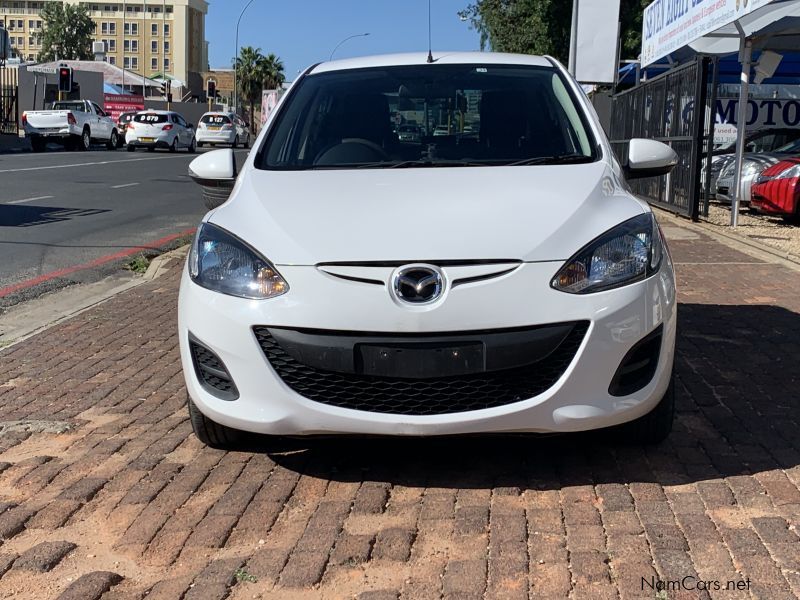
column 149, row 37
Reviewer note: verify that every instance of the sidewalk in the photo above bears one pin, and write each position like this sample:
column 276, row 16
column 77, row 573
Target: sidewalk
column 127, row 504
column 10, row 143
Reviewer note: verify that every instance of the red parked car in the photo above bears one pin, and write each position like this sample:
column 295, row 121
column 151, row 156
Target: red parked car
column 777, row 190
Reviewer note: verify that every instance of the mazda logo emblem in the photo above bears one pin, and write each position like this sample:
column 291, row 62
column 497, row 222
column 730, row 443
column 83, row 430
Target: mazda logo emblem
column 417, row 284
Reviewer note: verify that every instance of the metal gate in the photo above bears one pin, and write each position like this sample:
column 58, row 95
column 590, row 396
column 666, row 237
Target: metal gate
column 9, row 104
column 664, row 109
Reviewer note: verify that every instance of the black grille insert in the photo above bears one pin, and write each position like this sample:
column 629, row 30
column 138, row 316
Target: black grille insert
column 639, row 365
column 211, row 372
column 438, row 396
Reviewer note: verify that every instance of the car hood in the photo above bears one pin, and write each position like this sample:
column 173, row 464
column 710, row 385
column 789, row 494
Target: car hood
column 761, row 160
column 535, row 213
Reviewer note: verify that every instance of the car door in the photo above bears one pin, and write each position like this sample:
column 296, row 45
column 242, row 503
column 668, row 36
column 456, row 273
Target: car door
column 183, row 129
column 101, row 128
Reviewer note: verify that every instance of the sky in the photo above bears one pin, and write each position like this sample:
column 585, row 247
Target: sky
column 304, row 32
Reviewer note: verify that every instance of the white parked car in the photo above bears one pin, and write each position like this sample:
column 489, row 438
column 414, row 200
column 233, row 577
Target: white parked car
column 354, row 283
column 153, row 129
column 72, row 123
column 222, row 128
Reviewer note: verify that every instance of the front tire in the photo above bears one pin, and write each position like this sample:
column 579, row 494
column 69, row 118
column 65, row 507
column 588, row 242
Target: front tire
column 655, row 426
column 200, row 144
column 211, row 433
column 113, row 141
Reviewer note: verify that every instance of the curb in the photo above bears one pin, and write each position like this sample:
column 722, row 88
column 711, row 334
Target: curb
column 158, row 267
column 733, row 240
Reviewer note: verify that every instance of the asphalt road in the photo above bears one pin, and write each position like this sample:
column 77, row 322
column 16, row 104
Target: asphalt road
column 71, row 217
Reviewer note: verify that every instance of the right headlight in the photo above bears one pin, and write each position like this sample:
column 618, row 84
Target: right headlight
column 790, row 173
column 223, row 263
column 630, row 252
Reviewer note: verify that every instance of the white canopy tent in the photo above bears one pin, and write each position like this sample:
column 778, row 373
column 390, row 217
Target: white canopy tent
column 775, row 26
column 723, row 27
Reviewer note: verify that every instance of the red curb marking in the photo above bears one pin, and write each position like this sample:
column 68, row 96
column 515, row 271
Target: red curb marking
column 95, row 263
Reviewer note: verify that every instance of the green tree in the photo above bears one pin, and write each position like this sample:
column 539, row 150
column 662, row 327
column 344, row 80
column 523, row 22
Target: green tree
column 66, row 32
column 254, row 73
column 248, row 67
column 272, row 74
column 544, row 26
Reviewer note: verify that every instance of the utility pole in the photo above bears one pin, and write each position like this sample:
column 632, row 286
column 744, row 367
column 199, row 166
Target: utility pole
column 123, row 47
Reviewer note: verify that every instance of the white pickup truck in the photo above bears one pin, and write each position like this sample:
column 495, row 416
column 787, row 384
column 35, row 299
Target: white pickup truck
column 72, row 123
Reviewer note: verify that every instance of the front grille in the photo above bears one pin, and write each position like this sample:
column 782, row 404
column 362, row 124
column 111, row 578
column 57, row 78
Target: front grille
column 440, row 396
column 211, row 372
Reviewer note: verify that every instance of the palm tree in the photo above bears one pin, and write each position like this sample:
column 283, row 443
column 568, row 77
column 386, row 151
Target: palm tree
column 249, row 74
column 272, row 72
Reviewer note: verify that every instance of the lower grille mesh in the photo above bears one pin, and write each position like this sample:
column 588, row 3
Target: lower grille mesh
column 212, row 372
column 441, row 396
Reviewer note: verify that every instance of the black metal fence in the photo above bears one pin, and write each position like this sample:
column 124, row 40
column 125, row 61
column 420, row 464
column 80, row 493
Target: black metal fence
column 665, row 109
column 9, row 105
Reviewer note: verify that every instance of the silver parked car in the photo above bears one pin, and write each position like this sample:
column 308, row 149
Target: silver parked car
column 753, row 165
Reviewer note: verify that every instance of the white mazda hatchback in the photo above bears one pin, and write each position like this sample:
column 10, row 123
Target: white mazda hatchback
column 493, row 274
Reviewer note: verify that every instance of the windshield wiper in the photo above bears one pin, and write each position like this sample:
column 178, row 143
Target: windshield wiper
column 562, row 159
column 424, row 163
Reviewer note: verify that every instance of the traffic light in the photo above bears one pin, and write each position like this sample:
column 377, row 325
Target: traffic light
column 65, row 79
column 211, row 88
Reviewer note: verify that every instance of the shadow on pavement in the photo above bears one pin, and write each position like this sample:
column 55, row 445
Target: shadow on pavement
column 26, row 215
column 737, row 377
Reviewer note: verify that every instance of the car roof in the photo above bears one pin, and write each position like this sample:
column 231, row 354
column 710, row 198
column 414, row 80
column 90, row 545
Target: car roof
column 152, row 111
column 219, row 112
column 440, row 58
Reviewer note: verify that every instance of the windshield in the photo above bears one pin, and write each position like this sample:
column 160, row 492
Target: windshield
column 790, row 148
column 73, row 106
column 150, row 118
column 471, row 115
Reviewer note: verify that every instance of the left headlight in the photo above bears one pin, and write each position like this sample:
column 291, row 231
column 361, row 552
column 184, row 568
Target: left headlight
column 223, row 263
column 630, row 252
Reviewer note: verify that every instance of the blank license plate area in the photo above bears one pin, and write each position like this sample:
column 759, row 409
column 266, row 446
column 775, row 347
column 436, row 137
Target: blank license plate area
column 420, row 361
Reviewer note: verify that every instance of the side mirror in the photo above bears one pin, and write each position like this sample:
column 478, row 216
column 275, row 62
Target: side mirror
column 190, row 125
column 216, row 172
column 649, row 158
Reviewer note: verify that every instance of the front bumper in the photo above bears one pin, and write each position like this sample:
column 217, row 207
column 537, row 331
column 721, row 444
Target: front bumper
column 579, row 399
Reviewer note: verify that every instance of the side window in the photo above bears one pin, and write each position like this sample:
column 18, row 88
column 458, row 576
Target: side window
column 99, row 110
column 181, row 121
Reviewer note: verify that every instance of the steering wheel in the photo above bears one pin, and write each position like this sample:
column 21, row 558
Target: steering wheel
column 352, row 150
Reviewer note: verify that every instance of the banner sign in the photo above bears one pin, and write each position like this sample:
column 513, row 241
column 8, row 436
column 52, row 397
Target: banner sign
column 668, row 25
column 597, row 39
column 766, row 113
column 116, row 104
column 269, row 99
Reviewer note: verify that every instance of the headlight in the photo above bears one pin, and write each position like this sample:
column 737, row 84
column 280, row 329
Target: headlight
column 790, row 173
column 221, row 262
column 750, row 169
column 629, row 252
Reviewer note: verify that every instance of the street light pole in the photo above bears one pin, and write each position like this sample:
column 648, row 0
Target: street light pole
column 235, row 58
column 344, row 40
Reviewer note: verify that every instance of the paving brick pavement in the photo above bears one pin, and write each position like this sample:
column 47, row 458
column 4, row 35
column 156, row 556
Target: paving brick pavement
column 128, row 505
